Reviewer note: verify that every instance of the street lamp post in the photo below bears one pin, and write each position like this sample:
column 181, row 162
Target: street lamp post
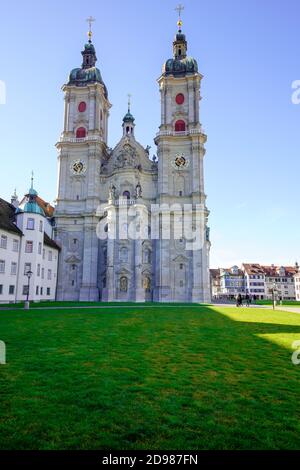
column 274, row 290
column 27, row 304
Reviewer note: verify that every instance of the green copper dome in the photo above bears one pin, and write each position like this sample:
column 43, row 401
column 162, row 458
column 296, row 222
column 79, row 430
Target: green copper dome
column 180, row 67
column 181, row 64
column 128, row 117
column 30, row 203
column 88, row 73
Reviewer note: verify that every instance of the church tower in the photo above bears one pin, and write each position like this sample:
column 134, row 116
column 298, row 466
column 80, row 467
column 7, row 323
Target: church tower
column 81, row 150
column 182, row 270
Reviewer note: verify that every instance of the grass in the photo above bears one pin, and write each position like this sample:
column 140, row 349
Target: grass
column 149, row 378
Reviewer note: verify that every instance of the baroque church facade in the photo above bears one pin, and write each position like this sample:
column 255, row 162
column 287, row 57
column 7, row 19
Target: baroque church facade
column 99, row 186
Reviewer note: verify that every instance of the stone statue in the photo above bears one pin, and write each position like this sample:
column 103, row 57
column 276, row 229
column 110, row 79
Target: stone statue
column 138, row 191
column 112, row 193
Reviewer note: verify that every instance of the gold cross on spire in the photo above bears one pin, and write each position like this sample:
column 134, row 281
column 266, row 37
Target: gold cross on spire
column 129, row 101
column 179, row 9
column 90, row 21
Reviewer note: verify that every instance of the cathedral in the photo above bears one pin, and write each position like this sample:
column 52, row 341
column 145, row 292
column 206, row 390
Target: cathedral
column 125, row 222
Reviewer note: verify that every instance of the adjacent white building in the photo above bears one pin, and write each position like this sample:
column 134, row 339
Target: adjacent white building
column 27, row 245
column 297, row 286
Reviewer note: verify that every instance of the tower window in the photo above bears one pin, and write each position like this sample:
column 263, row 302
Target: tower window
column 179, row 126
column 180, row 98
column 82, row 107
column 81, row 133
column 126, row 194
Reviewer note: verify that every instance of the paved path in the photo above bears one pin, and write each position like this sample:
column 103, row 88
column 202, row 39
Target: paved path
column 103, row 307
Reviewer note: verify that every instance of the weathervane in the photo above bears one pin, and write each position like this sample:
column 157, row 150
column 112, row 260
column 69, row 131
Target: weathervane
column 179, row 9
column 129, row 101
column 90, row 21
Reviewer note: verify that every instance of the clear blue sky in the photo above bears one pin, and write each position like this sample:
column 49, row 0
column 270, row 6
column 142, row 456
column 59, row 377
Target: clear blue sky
column 247, row 51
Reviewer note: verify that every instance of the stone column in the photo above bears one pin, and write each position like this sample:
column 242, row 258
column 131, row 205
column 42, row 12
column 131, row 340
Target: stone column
column 89, row 287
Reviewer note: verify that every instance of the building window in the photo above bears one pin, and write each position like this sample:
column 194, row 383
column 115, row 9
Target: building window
column 123, row 284
column 82, row 107
column 81, row 133
column 3, row 242
column 180, row 98
column 25, row 290
column 44, row 253
column 41, row 291
column 40, row 248
column 41, row 225
column 43, row 273
column 27, row 268
column 179, row 126
column 38, row 272
column 11, row 290
column 37, row 290
column 1, row 289
column 147, row 256
column 2, row 266
column 30, row 224
column 16, row 245
column 49, row 275
column 50, row 256
column 13, row 270
column 126, row 194
column 147, row 284
column 29, row 247
column 124, row 254
column 48, row 291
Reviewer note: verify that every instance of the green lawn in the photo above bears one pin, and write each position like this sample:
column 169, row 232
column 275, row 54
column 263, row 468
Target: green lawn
column 150, row 378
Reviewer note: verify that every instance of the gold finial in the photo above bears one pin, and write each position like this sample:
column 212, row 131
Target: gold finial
column 179, row 9
column 129, row 101
column 32, row 178
column 90, row 21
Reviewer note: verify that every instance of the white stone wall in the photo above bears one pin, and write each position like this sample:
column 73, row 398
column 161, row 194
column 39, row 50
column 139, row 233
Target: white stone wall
column 8, row 277
column 41, row 288
column 297, row 286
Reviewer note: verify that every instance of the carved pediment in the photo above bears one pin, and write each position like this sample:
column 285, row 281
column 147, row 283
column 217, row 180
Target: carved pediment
column 72, row 259
column 127, row 157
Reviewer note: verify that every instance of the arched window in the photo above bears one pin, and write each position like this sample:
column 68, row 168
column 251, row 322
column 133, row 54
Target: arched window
column 147, row 283
column 179, row 126
column 146, row 256
column 126, row 194
column 81, row 133
column 123, row 284
column 124, row 254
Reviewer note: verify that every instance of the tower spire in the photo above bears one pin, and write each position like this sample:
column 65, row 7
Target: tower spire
column 179, row 9
column 32, row 179
column 90, row 21
column 129, row 101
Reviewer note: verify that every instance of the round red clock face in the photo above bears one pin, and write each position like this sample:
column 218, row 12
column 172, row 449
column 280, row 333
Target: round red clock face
column 82, row 107
column 180, row 98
